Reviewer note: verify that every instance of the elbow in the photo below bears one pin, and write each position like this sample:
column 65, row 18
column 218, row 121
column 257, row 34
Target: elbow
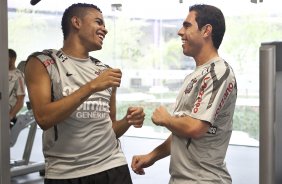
column 43, row 127
column 195, row 134
column 41, row 122
column 199, row 131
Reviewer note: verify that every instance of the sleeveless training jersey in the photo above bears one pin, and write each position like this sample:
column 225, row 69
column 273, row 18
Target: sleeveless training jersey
column 208, row 94
column 84, row 143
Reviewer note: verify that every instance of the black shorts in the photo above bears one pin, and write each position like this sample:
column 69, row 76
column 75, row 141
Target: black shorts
column 117, row 175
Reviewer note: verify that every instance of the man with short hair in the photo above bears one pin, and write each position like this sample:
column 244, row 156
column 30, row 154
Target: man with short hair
column 73, row 97
column 16, row 88
column 201, row 123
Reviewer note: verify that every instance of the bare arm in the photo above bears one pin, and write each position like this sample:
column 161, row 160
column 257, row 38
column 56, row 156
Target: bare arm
column 162, row 150
column 134, row 116
column 119, row 127
column 183, row 126
column 139, row 162
column 48, row 113
column 17, row 107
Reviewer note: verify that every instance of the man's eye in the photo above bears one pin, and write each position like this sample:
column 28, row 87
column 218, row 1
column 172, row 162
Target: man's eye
column 101, row 23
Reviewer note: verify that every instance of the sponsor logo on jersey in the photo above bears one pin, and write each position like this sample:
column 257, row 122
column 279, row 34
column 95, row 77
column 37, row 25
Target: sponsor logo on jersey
column 91, row 115
column 93, row 109
column 61, row 56
column 48, row 62
column 190, row 86
column 201, row 94
column 97, row 109
column 212, row 130
column 227, row 92
column 68, row 74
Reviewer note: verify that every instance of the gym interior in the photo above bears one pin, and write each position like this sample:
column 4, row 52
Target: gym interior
column 252, row 45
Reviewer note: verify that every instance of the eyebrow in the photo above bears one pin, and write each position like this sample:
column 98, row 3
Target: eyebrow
column 186, row 24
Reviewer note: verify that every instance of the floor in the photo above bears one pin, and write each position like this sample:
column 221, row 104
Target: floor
column 242, row 161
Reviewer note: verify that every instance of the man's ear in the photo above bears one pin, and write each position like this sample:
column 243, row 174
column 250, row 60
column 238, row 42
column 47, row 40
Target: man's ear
column 206, row 30
column 76, row 22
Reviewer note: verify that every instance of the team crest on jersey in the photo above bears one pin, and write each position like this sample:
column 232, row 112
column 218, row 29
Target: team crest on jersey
column 98, row 72
column 205, row 70
column 190, row 86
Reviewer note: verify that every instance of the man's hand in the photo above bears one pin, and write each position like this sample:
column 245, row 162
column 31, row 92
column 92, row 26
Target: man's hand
column 108, row 78
column 139, row 162
column 135, row 116
column 161, row 117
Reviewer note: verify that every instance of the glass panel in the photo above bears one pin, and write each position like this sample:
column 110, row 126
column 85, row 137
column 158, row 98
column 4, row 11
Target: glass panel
column 143, row 42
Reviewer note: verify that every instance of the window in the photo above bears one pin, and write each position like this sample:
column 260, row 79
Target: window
column 143, row 42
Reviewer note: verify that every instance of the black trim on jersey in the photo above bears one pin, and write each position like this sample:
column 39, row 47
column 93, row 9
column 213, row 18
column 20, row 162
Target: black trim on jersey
column 49, row 54
column 189, row 140
column 61, row 56
column 217, row 82
column 97, row 62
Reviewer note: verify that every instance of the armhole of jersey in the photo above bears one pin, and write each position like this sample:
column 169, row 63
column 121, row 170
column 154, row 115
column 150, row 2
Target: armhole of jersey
column 47, row 54
column 36, row 54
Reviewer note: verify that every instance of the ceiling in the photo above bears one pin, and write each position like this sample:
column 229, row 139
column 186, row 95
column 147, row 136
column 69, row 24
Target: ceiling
column 157, row 9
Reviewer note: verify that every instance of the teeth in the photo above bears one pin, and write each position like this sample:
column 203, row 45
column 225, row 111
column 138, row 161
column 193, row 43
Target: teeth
column 101, row 36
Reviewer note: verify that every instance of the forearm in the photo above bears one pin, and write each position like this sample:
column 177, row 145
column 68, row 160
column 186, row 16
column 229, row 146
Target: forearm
column 162, row 150
column 120, row 127
column 14, row 110
column 186, row 126
column 134, row 116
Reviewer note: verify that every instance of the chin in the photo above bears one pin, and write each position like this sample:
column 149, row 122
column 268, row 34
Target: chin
column 185, row 53
column 97, row 47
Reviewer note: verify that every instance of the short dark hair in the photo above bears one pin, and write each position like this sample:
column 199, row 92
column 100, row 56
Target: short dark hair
column 12, row 53
column 78, row 10
column 207, row 14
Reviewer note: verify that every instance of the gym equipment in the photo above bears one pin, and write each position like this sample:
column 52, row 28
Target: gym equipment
column 25, row 166
column 270, row 149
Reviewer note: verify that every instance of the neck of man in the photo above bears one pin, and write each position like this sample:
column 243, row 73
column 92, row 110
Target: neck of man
column 205, row 56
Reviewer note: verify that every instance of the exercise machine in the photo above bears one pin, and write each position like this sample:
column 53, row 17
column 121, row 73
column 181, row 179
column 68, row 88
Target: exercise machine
column 25, row 166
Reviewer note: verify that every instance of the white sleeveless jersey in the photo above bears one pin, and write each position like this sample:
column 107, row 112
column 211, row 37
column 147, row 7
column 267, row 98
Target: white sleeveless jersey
column 84, row 143
column 208, row 94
